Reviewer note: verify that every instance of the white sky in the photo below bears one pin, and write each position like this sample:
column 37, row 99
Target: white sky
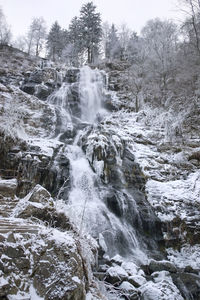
column 133, row 12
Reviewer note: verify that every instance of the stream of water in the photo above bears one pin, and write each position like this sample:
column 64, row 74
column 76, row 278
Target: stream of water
column 87, row 207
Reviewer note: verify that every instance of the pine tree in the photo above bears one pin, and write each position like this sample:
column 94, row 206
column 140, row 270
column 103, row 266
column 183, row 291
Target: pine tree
column 90, row 29
column 113, row 45
column 55, row 41
column 75, row 46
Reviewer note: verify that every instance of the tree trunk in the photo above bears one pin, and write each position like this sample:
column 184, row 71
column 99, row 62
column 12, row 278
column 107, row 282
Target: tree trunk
column 136, row 104
column 37, row 49
column 89, row 55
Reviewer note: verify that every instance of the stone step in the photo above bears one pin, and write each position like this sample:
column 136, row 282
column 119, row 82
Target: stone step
column 7, row 205
column 17, row 226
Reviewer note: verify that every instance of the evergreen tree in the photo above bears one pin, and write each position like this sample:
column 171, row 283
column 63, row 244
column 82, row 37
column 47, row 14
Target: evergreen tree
column 75, row 47
column 133, row 48
column 55, row 41
column 91, row 30
column 113, row 45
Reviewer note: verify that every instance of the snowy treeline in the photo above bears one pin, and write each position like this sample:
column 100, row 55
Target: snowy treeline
column 162, row 63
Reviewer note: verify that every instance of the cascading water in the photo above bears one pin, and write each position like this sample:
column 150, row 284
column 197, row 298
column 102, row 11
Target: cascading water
column 86, row 201
column 59, row 99
column 91, row 86
column 89, row 212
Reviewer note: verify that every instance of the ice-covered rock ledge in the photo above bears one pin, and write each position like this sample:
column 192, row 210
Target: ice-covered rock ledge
column 170, row 166
column 42, row 255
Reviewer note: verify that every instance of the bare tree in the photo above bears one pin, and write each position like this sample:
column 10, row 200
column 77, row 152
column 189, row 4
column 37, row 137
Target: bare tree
column 36, row 36
column 124, row 37
column 160, row 41
column 5, row 33
column 191, row 25
column 21, row 43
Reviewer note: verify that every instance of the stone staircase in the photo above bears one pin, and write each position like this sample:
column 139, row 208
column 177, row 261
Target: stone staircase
column 9, row 225
column 8, row 202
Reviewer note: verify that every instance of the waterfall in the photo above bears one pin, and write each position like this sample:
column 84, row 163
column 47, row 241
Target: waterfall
column 88, row 211
column 59, row 99
column 87, row 200
column 91, row 87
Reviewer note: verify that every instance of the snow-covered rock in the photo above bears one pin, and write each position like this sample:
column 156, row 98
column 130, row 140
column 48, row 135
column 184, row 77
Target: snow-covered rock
column 116, row 274
column 129, row 290
column 163, row 290
column 137, row 280
column 163, row 265
column 130, row 268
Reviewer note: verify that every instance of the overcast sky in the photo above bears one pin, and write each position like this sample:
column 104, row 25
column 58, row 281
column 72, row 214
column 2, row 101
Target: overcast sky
column 133, row 12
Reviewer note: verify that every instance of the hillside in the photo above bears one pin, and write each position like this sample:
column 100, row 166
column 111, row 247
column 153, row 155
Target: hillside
column 97, row 201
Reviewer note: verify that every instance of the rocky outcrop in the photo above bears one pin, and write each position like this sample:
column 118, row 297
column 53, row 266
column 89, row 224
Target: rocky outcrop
column 115, row 163
column 14, row 64
column 41, row 253
column 41, row 83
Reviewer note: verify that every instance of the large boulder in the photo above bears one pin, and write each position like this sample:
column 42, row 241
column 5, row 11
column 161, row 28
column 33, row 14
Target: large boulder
column 40, row 195
column 188, row 284
column 163, row 289
column 137, row 280
column 49, row 261
column 163, row 265
column 129, row 291
column 8, row 187
column 116, row 275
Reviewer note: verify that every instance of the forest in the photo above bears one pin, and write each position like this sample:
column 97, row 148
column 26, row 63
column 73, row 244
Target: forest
column 162, row 63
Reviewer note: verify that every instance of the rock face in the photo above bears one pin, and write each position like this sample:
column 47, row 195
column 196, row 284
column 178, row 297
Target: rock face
column 46, row 259
column 41, row 83
column 14, row 64
column 138, row 179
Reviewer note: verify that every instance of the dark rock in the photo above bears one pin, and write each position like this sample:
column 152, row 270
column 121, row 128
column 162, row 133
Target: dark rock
column 1, row 266
column 62, row 286
column 28, row 88
column 36, row 77
column 114, row 204
column 11, row 238
column 132, row 171
column 22, row 263
column 70, row 133
column 72, row 75
column 40, row 195
column 108, row 103
column 129, row 291
column 137, row 280
column 116, row 260
column 188, row 284
column 195, row 156
column 116, row 275
column 2, row 238
column 189, row 269
column 155, row 266
column 42, row 91
column 14, row 252
column 47, row 214
column 4, row 287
